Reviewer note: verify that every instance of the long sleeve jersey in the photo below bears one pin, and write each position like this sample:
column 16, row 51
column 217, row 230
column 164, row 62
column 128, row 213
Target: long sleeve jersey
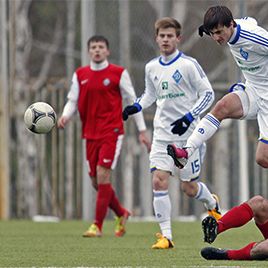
column 97, row 91
column 178, row 85
column 249, row 47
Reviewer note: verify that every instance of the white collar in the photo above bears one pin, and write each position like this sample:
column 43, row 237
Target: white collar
column 168, row 58
column 99, row 66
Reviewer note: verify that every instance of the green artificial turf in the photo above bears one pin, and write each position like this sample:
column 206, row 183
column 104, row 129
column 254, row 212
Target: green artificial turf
column 31, row 244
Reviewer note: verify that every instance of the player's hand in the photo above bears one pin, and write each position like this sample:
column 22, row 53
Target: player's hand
column 131, row 109
column 143, row 138
column 62, row 122
column 181, row 125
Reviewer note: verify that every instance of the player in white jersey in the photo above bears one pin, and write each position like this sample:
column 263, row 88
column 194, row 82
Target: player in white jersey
column 182, row 92
column 248, row 44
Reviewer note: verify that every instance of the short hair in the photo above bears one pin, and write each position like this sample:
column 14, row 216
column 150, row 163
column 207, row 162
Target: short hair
column 97, row 38
column 218, row 16
column 167, row 22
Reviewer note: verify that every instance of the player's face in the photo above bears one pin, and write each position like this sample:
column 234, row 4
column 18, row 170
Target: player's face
column 222, row 34
column 167, row 41
column 98, row 52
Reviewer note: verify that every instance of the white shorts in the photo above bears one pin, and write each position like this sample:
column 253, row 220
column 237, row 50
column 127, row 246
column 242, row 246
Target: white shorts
column 255, row 107
column 159, row 159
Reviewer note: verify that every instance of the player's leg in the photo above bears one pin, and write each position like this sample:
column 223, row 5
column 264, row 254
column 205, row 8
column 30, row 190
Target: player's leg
column 259, row 251
column 245, row 253
column 236, row 217
column 228, row 107
column 108, row 157
column 259, row 206
column 196, row 189
column 162, row 208
column 92, row 148
column 233, row 105
column 262, row 149
column 161, row 167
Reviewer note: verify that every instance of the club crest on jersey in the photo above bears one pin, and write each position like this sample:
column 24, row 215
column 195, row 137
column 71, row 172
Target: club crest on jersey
column 177, row 76
column 243, row 53
column 106, row 81
column 164, row 85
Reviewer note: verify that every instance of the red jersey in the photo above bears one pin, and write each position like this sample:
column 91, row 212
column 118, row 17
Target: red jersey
column 100, row 101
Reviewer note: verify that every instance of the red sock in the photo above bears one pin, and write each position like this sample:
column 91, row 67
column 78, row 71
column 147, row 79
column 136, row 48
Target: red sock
column 241, row 254
column 115, row 205
column 263, row 228
column 235, row 217
column 103, row 199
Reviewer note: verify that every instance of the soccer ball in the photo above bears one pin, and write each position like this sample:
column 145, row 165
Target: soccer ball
column 40, row 117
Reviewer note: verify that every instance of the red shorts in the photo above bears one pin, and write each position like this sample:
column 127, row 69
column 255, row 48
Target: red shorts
column 104, row 152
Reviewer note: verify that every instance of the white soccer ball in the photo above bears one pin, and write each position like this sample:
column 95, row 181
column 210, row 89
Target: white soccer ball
column 40, row 117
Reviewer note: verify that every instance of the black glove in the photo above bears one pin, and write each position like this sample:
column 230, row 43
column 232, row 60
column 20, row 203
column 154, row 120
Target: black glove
column 202, row 30
column 181, row 125
column 131, row 109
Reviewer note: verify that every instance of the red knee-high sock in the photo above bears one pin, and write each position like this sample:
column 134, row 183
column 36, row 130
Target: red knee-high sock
column 235, row 217
column 240, row 254
column 263, row 228
column 103, row 199
column 115, row 205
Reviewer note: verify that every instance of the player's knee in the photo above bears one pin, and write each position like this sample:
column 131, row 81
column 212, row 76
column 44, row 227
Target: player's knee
column 221, row 110
column 103, row 175
column 259, row 206
column 262, row 161
column 255, row 202
column 159, row 184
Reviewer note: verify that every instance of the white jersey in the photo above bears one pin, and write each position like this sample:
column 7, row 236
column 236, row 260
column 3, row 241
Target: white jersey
column 178, row 86
column 249, row 46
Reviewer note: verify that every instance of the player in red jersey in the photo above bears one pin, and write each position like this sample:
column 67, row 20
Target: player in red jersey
column 96, row 92
column 256, row 208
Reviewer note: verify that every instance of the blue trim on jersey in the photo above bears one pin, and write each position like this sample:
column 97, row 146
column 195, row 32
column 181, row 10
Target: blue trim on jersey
column 264, row 141
column 153, row 169
column 172, row 61
column 254, row 38
column 198, row 67
column 213, row 120
column 238, row 27
column 195, row 179
column 160, row 194
column 254, row 35
column 203, row 104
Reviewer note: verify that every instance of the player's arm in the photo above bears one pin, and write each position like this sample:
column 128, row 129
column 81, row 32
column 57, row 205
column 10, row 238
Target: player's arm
column 71, row 105
column 205, row 99
column 146, row 100
column 129, row 95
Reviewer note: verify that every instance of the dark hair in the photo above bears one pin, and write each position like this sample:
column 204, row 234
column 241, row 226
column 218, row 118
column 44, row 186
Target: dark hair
column 218, row 16
column 97, row 38
column 167, row 22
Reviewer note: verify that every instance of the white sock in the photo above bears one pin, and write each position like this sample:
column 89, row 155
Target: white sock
column 205, row 196
column 162, row 210
column 204, row 130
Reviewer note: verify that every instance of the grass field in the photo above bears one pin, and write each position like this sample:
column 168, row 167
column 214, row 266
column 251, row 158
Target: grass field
column 31, row 244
